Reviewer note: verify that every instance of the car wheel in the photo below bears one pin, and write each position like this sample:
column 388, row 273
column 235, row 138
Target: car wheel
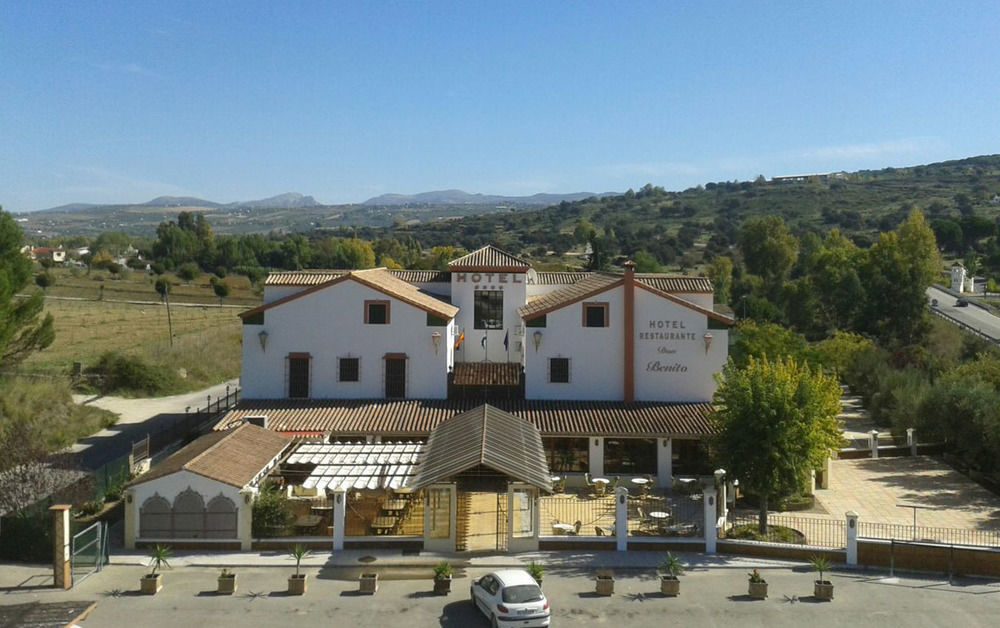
column 494, row 623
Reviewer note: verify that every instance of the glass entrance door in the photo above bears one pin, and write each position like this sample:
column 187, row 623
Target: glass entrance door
column 522, row 529
column 439, row 518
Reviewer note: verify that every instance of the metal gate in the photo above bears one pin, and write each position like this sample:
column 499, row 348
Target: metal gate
column 501, row 522
column 88, row 551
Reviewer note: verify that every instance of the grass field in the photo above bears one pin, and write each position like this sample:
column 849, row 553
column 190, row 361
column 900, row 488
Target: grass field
column 138, row 286
column 206, row 345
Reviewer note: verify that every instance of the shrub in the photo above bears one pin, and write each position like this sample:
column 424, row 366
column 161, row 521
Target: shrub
column 45, row 279
column 272, row 512
column 124, row 373
column 220, row 272
column 188, row 271
column 92, row 507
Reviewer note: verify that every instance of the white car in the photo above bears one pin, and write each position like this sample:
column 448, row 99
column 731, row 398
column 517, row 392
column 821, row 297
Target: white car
column 511, row 597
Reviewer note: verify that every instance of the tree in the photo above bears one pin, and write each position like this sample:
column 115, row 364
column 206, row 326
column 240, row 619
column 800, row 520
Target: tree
column 45, row 279
column 720, row 271
column 188, row 272
column 162, row 286
column 646, row 263
column 23, row 329
column 769, row 249
column 221, row 289
column 776, row 422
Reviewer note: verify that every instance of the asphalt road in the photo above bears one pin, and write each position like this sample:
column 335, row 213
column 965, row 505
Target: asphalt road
column 972, row 315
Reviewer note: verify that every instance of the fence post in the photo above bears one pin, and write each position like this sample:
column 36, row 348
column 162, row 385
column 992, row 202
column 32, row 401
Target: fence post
column 711, row 519
column 911, row 440
column 874, row 442
column 621, row 518
column 852, row 537
column 339, row 515
column 61, row 568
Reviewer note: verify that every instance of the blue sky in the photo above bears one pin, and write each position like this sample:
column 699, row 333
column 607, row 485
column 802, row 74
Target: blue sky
column 124, row 101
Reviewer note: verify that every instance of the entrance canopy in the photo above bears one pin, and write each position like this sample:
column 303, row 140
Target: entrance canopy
column 489, row 437
column 358, row 466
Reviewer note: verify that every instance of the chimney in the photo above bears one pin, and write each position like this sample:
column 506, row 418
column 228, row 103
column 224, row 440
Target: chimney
column 629, row 332
column 258, row 420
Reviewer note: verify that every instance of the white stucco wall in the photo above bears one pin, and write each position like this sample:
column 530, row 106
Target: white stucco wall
column 671, row 363
column 463, row 287
column 329, row 324
column 596, row 353
column 273, row 293
column 170, row 486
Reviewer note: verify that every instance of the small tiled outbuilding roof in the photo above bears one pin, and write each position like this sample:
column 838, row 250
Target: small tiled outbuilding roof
column 674, row 283
column 422, row 276
column 378, row 279
column 489, row 258
column 235, row 456
column 489, row 437
column 547, row 278
column 417, row 417
column 487, row 374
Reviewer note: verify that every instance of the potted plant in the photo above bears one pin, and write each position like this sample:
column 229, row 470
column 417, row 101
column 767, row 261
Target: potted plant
column 442, row 578
column 670, row 567
column 368, row 583
column 605, row 583
column 153, row 581
column 822, row 589
column 227, row 582
column 536, row 571
column 297, row 582
column 758, row 586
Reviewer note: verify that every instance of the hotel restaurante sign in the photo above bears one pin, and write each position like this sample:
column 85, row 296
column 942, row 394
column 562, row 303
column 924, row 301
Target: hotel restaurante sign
column 665, row 330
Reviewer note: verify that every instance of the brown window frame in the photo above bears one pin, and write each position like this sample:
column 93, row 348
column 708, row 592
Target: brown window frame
column 601, row 304
column 340, row 369
column 388, row 310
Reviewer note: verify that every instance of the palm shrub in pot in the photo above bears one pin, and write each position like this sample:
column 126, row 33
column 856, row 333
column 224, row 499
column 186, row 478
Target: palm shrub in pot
column 227, row 582
column 822, row 589
column 442, row 578
column 536, row 571
column 297, row 581
column 670, row 567
column 153, row 581
column 758, row 586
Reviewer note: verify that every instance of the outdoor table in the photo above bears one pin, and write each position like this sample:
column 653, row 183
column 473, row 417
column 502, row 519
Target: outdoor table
column 308, row 521
column 659, row 514
column 604, row 481
column 555, row 478
column 563, row 528
column 382, row 525
column 639, row 481
column 394, row 505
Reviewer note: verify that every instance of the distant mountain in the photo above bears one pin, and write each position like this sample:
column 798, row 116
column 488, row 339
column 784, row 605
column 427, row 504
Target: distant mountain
column 179, row 201
column 286, row 200
column 71, row 208
column 459, row 197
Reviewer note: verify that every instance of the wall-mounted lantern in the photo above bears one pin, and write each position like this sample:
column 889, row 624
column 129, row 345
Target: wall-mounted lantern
column 708, row 341
column 262, row 336
column 537, row 337
column 436, row 341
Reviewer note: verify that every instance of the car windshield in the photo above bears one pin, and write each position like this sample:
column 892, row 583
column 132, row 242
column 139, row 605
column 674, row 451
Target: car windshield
column 522, row 594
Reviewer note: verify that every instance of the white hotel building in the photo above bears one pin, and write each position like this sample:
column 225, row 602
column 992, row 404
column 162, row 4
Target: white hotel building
column 616, row 371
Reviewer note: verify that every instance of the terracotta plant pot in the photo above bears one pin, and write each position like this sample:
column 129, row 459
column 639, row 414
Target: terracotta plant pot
column 605, row 585
column 368, row 583
column 823, row 590
column 670, row 585
column 297, row 584
column 442, row 585
column 227, row 584
column 758, row 590
column 149, row 585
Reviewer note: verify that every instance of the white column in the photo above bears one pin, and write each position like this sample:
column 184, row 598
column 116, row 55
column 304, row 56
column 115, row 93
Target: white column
column 245, row 514
column 852, row 537
column 664, row 462
column 874, row 442
column 61, row 548
column 339, row 515
column 130, row 517
column 596, row 456
column 711, row 518
column 621, row 518
column 911, row 440
column 827, row 472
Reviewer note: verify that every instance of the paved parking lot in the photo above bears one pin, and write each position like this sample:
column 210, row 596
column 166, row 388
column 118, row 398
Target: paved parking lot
column 712, row 594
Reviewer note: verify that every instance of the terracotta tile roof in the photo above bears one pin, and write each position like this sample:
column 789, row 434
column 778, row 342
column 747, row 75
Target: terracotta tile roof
column 312, row 277
column 378, row 279
column 488, row 257
column 233, row 457
column 559, row 278
column 486, row 436
column 675, row 283
column 583, row 289
column 415, row 417
column 487, row 374
column 302, row 277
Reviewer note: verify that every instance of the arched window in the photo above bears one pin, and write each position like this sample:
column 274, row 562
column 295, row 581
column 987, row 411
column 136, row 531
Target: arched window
column 220, row 518
column 154, row 518
column 189, row 515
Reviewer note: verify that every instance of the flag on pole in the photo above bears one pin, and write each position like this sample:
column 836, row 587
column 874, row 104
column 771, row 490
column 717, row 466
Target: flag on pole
column 506, row 341
column 458, row 341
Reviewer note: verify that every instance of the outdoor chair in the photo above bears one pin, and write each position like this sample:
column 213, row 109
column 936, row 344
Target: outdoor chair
column 576, row 528
column 599, row 530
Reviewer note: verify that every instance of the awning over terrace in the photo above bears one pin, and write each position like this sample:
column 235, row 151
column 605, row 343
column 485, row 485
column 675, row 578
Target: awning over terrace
column 489, row 437
column 358, row 466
